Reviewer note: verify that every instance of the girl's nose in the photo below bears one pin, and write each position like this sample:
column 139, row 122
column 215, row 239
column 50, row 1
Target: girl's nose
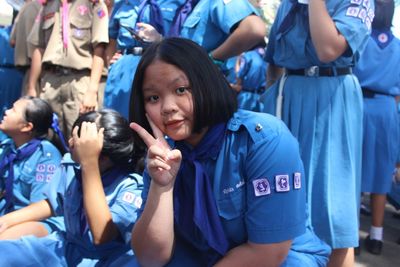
column 169, row 106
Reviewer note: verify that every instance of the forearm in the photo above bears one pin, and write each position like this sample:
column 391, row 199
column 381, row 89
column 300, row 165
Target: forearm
column 36, row 69
column 110, row 51
column 97, row 68
column 34, row 212
column 96, row 207
column 273, row 74
column 153, row 234
column 250, row 254
column 327, row 40
column 250, row 32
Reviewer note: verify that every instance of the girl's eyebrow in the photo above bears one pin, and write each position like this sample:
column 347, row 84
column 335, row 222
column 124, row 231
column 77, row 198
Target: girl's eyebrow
column 180, row 78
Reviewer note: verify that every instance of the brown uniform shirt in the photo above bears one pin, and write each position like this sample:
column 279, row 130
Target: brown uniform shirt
column 88, row 26
column 21, row 29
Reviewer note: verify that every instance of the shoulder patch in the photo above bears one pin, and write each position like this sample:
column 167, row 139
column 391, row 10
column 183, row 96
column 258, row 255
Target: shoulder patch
column 261, row 187
column 282, row 183
column 297, row 180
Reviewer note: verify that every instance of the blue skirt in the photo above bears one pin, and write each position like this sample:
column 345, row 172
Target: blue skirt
column 325, row 115
column 380, row 143
column 53, row 250
column 119, row 83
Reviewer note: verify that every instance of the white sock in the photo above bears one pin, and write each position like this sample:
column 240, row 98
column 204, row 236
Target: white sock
column 376, row 233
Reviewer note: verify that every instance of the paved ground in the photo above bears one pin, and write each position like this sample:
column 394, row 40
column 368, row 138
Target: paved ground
column 390, row 256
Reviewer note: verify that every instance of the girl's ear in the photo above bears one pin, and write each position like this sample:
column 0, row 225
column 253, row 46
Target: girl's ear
column 27, row 128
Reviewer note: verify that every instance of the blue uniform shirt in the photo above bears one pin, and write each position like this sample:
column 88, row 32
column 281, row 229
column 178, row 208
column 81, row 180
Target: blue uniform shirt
column 293, row 49
column 386, row 80
column 209, row 24
column 123, row 198
column 32, row 176
column 259, row 187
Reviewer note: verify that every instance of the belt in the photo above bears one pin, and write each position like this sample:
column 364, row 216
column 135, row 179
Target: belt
column 259, row 91
column 316, row 71
column 368, row 93
column 7, row 66
column 137, row 50
column 64, row 70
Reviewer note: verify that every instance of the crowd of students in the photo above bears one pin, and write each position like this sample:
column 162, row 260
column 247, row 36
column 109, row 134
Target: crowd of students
column 204, row 175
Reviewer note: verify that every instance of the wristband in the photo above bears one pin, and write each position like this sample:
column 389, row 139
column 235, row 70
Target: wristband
column 217, row 62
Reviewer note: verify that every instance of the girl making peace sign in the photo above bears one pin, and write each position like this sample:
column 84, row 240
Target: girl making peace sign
column 226, row 187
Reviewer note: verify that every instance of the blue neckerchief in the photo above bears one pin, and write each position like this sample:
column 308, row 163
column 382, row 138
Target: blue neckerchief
column 107, row 179
column 57, row 130
column 288, row 20
column 195, row 211
column 16, row 155
column 382, row 37
column 156, row 18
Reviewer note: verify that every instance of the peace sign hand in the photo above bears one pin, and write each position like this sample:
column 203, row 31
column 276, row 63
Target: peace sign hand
column 162, row 162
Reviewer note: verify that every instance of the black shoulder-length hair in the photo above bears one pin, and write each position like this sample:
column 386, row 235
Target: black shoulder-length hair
column 214, row 101
column 118, row 143
column 384, row 10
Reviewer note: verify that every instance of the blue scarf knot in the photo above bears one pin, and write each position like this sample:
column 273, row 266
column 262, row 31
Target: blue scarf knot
column 195, row 210
column 20, row 154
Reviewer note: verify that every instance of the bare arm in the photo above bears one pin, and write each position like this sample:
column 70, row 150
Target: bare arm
column 90, row 98
column 34, row 212
column 36, row 69
column 257, row 255
column 250, row 32
column 87, row 148
column 163, row 165
column 110, row 51
column 273, row 74
column 328, row 42
column 158, row 248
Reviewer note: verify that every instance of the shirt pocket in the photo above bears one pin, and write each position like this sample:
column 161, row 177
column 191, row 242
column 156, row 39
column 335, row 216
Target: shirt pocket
column 81, row 30
column 191, row 27
column 232, row 206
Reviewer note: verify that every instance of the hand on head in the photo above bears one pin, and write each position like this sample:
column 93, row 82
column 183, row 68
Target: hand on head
column 162, row 162
column 87, row 147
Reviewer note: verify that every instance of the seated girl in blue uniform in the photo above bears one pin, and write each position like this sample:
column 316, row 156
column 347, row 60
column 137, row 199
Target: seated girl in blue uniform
column 246, row 73
column 97, row 192
column 27, row 164
column 226, row 186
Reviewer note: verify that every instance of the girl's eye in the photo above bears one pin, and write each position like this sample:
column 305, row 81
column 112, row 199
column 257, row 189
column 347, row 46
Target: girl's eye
column 181, row 90
column 152, row 98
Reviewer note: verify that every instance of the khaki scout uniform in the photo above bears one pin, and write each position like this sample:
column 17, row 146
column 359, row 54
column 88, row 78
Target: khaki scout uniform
column 21, row 29
column 66, row 72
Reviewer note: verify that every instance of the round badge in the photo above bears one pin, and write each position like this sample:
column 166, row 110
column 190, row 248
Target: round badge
column 383, row 38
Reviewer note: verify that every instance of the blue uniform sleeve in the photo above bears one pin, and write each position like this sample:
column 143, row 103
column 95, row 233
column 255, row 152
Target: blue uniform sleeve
column 46, row 166
column 127, row 202
column 276, row 193
column 226, row 14
column 56, row 191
